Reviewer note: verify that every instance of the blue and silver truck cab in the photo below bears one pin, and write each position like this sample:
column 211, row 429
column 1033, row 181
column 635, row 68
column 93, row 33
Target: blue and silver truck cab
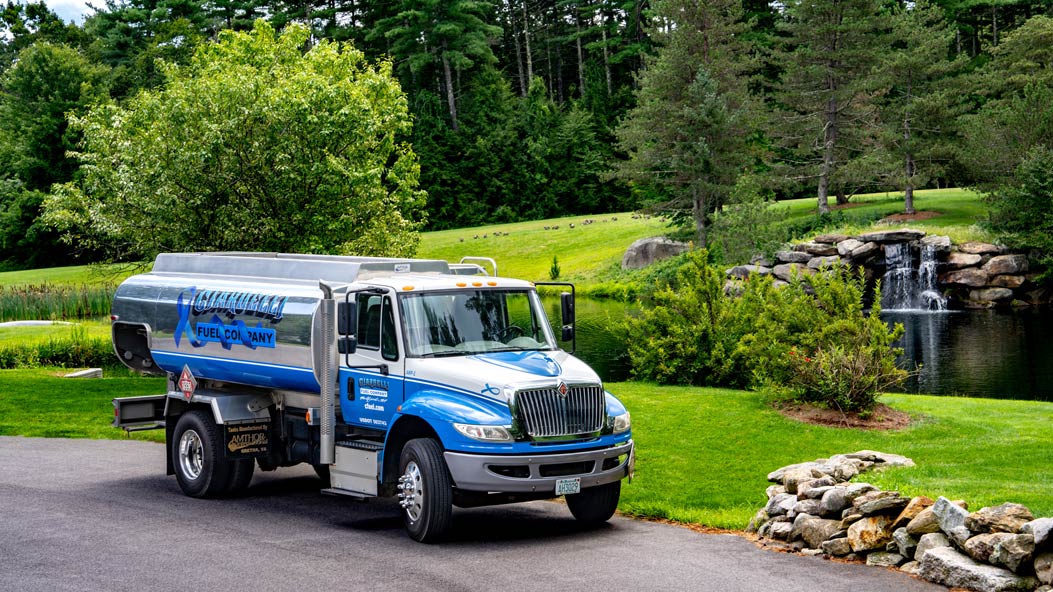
column 433, row 382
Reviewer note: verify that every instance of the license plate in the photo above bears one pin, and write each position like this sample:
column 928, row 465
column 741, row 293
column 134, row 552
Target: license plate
column 568, row 486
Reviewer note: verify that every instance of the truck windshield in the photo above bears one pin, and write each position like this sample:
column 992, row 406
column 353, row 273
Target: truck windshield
column 474, row 321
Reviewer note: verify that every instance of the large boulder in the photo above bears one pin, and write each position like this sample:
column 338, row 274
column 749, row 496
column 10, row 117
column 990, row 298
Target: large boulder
column 1044, row 568
column 928, row 541
column 745, row 271
column 816, row 249
column 940, row 243
column 959, row 260
column 815, row 531
column 845, row 247
column 646, row 251
column 951, row 518
column 891, row 236
column 1006, row 264
column 946, row 566
column 1041, row 529
column 786, row 271
column 792, row 257
column 981, row 546
column 916, row 506
column 1008, row 517
column 1014, row 552
column 870, row 533
column 990, row 294
column 976, row 248
column 970, row 276
column 880, row 502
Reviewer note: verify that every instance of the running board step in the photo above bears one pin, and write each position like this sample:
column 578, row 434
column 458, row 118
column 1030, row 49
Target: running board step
column 336, row 491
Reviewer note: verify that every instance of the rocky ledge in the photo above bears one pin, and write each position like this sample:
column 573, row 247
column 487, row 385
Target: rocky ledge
column 969, row 275
column 814, row 509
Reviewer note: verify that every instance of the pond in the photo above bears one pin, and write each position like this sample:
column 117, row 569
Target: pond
column 996, row 354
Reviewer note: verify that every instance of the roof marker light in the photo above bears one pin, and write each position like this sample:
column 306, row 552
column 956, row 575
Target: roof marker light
column 461, row 285
column 477, row 284
column 407, row 288
column 491, row 283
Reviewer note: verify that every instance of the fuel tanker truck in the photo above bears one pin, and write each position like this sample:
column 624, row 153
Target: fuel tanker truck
column 440, row 384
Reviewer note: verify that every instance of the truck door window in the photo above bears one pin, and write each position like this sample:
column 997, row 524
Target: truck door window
column 376, row 325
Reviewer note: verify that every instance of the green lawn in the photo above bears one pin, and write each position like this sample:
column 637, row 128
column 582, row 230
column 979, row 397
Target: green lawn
column 73, row 275
column 41, row 333
column 526, row 252
column 959, row 212
column 703, row 454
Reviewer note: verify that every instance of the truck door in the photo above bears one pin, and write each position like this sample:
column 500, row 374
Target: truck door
column 368, row 397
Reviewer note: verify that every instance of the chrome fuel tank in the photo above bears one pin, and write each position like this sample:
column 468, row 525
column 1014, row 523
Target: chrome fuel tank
column 247, row 318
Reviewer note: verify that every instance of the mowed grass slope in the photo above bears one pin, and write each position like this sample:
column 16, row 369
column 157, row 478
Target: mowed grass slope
column 704, row 454
column 525, row 249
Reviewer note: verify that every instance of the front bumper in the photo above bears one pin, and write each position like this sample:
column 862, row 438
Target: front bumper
column 475, row 472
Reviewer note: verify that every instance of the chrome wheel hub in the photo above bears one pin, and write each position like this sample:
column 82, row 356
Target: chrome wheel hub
column 411, row 491
column 191, row 454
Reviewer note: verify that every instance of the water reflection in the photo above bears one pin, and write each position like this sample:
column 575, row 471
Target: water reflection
column 601, row 342
column 997, row 354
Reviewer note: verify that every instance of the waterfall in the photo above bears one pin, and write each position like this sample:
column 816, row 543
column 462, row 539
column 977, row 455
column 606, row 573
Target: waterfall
column 904, row 289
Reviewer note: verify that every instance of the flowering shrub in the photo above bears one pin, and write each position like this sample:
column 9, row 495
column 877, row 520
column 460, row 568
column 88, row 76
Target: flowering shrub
column 811, row 340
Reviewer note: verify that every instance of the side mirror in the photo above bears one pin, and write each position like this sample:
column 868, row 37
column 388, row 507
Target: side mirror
column 566, row 305
column 347, row 318
column 347, row 345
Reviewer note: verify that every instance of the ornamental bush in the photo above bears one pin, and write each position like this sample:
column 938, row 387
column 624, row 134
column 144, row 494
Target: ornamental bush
column 811, row 339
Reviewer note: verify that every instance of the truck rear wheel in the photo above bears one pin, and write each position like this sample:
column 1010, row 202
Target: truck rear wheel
column 425, row 491
column 595, row 505
column 197, row 455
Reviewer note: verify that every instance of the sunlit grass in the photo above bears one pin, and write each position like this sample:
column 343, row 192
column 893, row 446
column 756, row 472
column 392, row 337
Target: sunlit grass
column 704, row 454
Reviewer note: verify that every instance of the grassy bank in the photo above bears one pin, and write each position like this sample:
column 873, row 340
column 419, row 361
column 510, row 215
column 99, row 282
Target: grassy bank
column 590, row 254
column 703, row 454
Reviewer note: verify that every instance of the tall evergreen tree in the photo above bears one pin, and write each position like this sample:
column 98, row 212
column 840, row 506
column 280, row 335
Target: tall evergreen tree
column 687, row 136
column 915, row 101
column 447, row 37
column 827, row 52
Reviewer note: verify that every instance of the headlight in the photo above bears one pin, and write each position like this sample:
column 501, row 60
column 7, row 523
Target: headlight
column 621, row 423
column 490, row 433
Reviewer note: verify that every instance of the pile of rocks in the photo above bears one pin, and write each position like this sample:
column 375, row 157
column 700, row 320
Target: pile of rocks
column 815, row 510
column 971, row 275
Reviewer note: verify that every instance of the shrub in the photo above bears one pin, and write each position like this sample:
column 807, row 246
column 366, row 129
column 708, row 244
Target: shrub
column 76, row 351
column 810, row 339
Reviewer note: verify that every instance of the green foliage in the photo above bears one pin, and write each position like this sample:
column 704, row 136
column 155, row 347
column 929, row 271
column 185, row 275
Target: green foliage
column 77, row 350
column 553, row 272
column 1022, row 211
column 55, row 302
column 747, row 225
column 699, row 334
column 255, row 145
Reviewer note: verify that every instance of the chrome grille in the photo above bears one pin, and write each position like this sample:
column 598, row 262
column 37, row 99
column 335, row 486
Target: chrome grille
column 545, row 413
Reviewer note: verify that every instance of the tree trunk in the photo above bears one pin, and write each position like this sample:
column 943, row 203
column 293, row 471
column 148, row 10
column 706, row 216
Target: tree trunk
column 524, row 84
column 829, row 144
column 698, row 211
column 842, row 197
column 908, row 191
column 606, row 57
column 450, row 100
column 581, row 55
column 526, row 40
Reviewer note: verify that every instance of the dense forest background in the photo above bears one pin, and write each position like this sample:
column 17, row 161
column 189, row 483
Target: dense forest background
column 529, row 109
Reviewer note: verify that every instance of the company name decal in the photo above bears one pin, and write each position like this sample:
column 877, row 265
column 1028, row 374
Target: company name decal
column 190, row 302
column 268, row 306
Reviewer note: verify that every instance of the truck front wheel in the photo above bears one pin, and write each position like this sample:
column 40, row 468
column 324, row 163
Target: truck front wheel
column 425, row 492
column 595, row 505
column 197, row 455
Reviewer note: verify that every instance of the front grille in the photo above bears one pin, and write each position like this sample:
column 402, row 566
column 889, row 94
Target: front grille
column 546, row 414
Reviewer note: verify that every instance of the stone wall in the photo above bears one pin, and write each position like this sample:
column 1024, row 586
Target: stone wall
column 814, row 509
column 970, row 275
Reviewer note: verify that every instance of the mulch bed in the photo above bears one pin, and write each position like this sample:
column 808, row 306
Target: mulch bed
column 911, row 217
column 882, row 417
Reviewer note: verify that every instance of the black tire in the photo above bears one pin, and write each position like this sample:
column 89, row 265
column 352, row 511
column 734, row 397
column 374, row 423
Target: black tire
column 425, row 491
column 197, row 455
column 240, row 475
column 595, row 505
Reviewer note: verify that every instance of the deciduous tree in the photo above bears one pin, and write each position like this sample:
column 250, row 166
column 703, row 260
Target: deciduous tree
column 255, row 145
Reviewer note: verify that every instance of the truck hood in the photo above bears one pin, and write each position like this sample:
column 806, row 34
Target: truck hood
column 487, row 374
